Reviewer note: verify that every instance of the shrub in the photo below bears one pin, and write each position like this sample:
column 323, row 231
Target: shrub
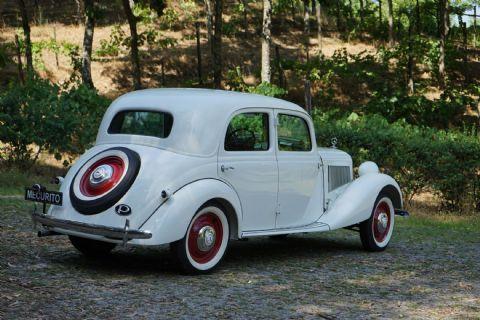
column 235, row 82
column 39, row 116
column 419, row 158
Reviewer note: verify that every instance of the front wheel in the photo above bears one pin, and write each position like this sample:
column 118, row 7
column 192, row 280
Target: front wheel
column 205, row 242
column 376, row 232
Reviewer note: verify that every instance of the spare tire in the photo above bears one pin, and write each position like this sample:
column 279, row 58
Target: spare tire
column 103, row 180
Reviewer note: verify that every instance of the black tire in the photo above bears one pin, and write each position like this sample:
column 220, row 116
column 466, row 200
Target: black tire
column 90, row 207
column 372, row 239
column 184, row 256
column 92, row 248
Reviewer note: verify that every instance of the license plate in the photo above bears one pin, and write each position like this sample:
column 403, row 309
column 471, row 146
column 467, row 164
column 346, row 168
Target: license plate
column 44, row 196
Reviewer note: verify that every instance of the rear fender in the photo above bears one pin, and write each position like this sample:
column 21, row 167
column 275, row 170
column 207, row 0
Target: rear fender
column 355, row 203
column 170, row 221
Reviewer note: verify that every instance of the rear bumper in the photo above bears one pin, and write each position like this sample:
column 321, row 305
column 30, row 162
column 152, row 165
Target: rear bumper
column 124, row 234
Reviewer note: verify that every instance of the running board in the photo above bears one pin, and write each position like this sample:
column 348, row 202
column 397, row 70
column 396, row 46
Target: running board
column 314, row 227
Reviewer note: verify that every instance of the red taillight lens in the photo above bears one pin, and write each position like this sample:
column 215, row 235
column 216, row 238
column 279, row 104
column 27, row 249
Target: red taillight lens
column 102, row 176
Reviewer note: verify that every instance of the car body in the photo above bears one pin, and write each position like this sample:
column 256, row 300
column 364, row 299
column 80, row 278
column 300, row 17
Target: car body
column 195, row 168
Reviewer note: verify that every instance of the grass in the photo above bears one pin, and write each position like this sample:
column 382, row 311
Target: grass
column 14, row 180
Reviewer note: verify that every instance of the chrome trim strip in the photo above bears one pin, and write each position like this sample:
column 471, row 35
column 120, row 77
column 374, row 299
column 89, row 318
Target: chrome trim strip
column 110, row 232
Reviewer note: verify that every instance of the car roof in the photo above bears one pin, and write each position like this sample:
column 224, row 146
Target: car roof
column 199, row 116
column 225, row 101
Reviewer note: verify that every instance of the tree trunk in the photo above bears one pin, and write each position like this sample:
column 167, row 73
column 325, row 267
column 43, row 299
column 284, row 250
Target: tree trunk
column 475, row 26
column 361, row 13
column 391, row 39
column 380, row 13
column 418, row 20
column 26, row 32
column 209, row 13
column 217, row 45
column 87, row 43
column 465, row 53
column 266, row 40
column 319, row 27
column 19, row 60
column 245, row 17
column 292, row 10
column 132, row 22
column 338, row 15
column 306, row 31
column 410, row 84
column 306, row 27
column 278, row 64
column 444, row 8
column 199, row 53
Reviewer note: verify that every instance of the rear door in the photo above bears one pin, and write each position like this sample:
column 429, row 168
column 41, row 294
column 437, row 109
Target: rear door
column 246, row 161
column 299, row 170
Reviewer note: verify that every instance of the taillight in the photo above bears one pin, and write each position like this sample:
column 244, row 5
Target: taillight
column 102, row 176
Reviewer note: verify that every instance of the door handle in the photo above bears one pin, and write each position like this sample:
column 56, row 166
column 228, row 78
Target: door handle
column 224, row 168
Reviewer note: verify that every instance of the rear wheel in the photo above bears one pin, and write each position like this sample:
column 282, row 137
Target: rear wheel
column 377, row 231
column 91, row 248
column 205, row 242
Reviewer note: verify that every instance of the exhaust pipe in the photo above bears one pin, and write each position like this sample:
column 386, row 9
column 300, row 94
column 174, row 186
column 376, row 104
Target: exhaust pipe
column 47, row 233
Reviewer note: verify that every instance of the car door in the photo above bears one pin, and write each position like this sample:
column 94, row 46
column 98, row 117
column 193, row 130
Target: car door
column 299, row 170
column 247, row 162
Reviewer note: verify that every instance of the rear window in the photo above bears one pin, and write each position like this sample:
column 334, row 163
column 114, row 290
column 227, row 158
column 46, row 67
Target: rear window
column 144, row 123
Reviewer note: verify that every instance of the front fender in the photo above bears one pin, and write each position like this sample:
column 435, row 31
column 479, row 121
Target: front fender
column 170, row 221
column 355, row 203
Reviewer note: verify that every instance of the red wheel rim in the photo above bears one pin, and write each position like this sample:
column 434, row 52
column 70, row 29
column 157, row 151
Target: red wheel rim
column 90, row 189
column 207, row 222
column 381, row 221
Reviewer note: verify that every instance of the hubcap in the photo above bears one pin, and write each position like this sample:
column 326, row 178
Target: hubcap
column 102, row 176
column 381, row 221
column 206, row 238
column 101, row 173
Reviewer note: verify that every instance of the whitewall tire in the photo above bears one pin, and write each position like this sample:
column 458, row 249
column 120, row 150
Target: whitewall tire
column 205, row 241
column 377, row 231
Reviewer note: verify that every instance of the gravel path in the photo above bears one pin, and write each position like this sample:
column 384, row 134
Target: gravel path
column 424, row 274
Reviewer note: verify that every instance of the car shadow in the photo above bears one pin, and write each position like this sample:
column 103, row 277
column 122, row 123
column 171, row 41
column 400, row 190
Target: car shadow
column 253, row 253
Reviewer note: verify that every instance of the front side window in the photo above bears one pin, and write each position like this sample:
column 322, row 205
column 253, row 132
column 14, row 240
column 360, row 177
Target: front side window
column 248, row 132
column 145, row 123
column 293, row 133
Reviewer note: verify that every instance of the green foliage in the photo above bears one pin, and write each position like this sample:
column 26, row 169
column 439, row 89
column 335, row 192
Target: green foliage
column 112, row 47
column 70, row 50
column 169, row 18
column 418, row 110
column 420, row 159
column 39, row 116
column 235, row 82
column 119, row 40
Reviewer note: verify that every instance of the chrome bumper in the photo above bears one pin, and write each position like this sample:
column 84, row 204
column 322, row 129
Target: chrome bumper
column 124, row 234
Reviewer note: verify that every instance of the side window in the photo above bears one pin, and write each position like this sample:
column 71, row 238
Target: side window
column 293, row 133
column 247, row 132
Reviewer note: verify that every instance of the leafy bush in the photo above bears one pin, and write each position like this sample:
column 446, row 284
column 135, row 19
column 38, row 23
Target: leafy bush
column 235, row 82
column 39, row 116
column 420, row 159
column 418, row 110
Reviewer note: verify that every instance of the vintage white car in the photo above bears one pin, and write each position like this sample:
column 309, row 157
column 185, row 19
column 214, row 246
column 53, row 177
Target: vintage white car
column 196, row 168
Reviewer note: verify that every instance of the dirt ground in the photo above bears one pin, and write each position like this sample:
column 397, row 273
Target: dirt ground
column 431, row 270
